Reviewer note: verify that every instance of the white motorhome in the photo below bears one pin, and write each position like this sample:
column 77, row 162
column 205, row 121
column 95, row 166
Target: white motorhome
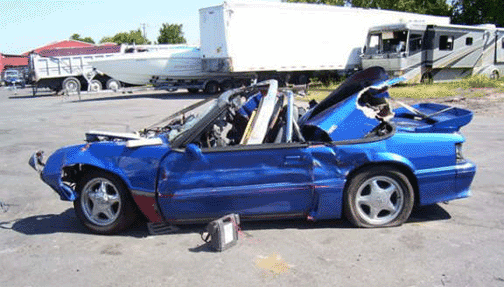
column 428, row 52
column 290, row 41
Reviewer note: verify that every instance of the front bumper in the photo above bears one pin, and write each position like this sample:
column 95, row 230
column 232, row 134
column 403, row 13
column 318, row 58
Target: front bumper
column 51, row 174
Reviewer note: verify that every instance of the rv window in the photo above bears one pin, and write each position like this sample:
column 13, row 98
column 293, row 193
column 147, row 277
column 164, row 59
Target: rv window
column 469, row 41
column 502, row 43
column 373, row 44
column 446, row 43
column 415, row 43
column 395, row 44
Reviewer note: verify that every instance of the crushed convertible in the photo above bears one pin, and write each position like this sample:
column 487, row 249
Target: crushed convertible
column 251, row 151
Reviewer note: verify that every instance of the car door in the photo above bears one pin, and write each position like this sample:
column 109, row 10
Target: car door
column 270, row 180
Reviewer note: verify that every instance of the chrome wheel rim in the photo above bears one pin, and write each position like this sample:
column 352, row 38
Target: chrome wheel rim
column 95, row 86
column 379, row 200
column 71, row 86
column 100, row 201
column 113, row 85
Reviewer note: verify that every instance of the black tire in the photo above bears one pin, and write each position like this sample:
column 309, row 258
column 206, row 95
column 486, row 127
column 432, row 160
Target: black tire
column 71, row 85
column 427, row 79
column 104, row 204
column 113, row 84
column 378, row 196
column 193, row 90
column 494, row 75
column 302, row 79
column 226, row 85
column 212, row 87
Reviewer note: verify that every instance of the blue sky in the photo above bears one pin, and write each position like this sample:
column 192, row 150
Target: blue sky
column 28, row 24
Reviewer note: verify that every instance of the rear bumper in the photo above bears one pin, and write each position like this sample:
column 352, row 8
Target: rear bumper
column 445, row 184
column 464, row 178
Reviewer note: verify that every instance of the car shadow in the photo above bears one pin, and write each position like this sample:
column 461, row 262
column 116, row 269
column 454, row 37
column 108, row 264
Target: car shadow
column 427, row 213
column 67, row 222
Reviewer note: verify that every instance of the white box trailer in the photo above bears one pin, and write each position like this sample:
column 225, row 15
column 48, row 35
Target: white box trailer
column 290, row 38
column 70, row 69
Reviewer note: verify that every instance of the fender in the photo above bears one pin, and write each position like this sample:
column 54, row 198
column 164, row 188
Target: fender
column 386, row 157
column 112, row 157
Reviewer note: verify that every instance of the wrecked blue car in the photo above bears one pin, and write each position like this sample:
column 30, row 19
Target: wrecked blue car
column 251, row 151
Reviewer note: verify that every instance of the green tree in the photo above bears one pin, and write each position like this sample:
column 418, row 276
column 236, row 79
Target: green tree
column 471, row 12
column 77, row 37
column 432, row 7
column 328, row 2
column 171, row 34
column 131, row 37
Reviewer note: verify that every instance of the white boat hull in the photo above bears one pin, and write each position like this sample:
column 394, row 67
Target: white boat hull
column 141, row 68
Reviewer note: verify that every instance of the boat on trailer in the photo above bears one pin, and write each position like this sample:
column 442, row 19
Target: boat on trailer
column 146, row 64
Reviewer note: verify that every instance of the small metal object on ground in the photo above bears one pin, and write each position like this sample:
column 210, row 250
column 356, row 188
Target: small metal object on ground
column 4, row 207
column 222, row 233
column 159, row 228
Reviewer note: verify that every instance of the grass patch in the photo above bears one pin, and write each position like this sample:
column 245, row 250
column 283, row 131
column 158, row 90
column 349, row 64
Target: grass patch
column 424, row 91
column 319, row 92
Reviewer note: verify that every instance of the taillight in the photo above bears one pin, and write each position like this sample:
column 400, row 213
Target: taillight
column 458, row 153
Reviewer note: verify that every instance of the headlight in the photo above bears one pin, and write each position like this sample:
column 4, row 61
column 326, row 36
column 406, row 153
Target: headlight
column 458, row 153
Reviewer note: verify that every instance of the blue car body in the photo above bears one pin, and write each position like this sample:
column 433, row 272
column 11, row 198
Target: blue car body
column 182, row 180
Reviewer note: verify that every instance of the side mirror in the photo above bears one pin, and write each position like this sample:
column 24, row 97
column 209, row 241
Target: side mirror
column 193, row 152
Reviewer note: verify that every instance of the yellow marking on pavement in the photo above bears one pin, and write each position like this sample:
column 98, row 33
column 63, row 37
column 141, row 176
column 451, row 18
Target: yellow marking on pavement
column 273, row 264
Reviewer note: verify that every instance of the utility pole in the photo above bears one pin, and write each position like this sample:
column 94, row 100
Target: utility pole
column 143, row 27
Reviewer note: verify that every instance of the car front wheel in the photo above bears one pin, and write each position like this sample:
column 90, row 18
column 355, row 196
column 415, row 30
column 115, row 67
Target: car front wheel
column 103, row 204
column 379, row 196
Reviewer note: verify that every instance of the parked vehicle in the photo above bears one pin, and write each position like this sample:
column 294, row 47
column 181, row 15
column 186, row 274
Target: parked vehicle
column 290, row 42
column 69, row 69
column 252, row 152
column 243, row 42
column 168, row 66
column 427, row 53
column 13, row 78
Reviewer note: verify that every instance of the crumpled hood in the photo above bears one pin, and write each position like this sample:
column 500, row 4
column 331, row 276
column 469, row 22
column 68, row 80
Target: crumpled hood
column 353, row 110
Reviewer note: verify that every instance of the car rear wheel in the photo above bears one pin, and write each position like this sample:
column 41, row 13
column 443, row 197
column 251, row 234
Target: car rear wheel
column 379, row 196
column 104, row 205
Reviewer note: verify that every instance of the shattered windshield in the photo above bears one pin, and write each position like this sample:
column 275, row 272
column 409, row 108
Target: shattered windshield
column 181, row 121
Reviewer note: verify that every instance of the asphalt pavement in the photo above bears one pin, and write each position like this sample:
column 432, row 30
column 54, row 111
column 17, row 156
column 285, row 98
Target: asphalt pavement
column 42, row 243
